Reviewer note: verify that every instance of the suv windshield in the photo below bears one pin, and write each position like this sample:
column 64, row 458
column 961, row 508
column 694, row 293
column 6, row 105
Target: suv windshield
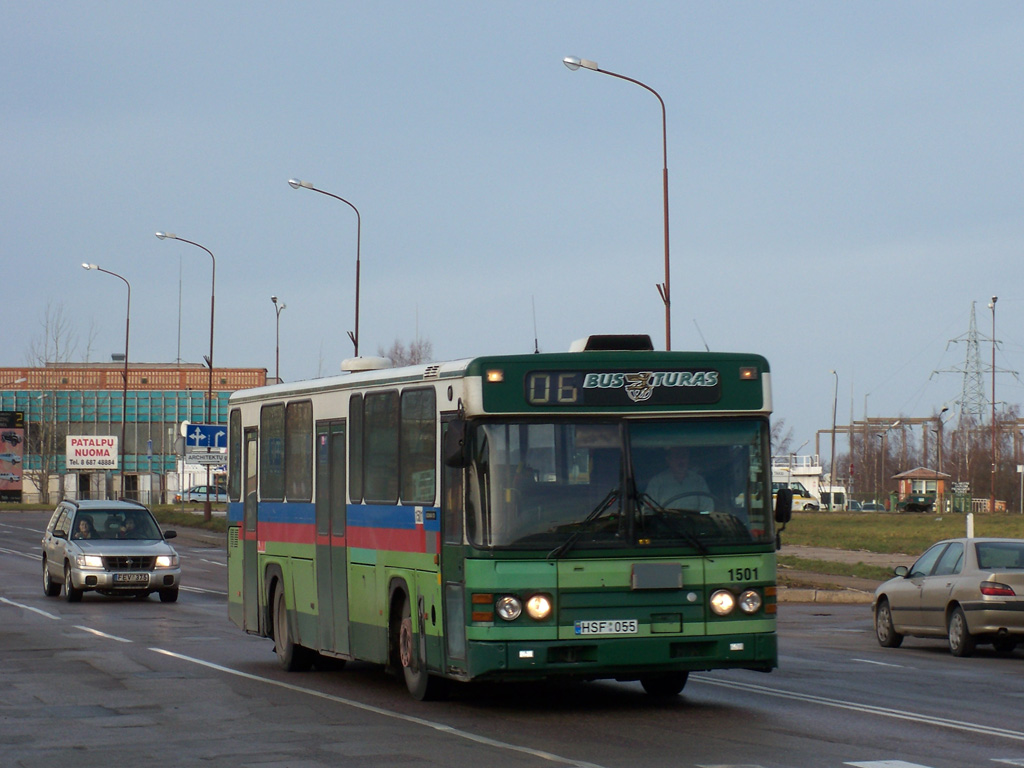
column 558, row 485
column 114, row 524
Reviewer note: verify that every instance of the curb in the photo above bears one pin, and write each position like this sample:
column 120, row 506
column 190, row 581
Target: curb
column 834, row 596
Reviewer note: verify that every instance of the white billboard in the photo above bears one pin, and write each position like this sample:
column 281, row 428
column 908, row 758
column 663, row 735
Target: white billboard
column 91, row 452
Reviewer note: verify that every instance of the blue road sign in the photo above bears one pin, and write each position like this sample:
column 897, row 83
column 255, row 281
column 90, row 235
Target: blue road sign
column 206, row 436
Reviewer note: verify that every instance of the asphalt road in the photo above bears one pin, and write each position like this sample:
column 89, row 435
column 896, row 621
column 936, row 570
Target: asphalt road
column 115, row 681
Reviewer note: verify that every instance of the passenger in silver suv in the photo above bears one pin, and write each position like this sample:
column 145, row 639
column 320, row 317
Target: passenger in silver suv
column 111, row 547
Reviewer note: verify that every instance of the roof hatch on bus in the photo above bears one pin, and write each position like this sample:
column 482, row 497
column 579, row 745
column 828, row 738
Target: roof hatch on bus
column 620, row 342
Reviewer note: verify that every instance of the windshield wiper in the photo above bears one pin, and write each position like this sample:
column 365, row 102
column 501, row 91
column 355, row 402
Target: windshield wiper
column 602, row 507
column 692, row 538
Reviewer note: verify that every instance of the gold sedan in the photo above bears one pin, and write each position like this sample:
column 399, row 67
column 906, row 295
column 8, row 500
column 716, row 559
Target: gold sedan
column 968, row 591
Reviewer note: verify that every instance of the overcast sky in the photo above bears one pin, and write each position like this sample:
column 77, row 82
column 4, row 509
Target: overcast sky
column 845, row 179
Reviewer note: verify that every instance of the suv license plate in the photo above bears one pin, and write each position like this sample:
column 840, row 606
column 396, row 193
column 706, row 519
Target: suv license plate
column 131, row 578
column 607, row 627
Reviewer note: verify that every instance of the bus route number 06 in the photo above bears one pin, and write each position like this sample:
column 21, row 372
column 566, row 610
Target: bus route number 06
column 552, row 389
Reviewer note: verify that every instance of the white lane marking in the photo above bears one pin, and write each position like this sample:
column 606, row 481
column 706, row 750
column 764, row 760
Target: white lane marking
column 941, row 722
column 96, row 632
column 502, row 745
column 200, row 590
column 30, row 608
column 1011, row 761
column 887, row 764
column 878, row 663
column 19, row 554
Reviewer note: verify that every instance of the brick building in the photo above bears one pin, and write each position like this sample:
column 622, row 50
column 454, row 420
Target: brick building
column 69, row 399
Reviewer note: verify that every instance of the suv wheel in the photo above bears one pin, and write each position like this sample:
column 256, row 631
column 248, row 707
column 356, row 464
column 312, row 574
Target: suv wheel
column 51, row 588
column 70, row 593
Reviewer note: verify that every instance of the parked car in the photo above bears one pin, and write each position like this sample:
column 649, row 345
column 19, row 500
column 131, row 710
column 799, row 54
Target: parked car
column 854, row 506
column 111, row 547
column 872, row 506
column 218, row 493
column 968, row 591
column 916, row 503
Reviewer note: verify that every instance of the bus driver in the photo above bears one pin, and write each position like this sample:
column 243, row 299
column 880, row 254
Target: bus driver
column 680, row 486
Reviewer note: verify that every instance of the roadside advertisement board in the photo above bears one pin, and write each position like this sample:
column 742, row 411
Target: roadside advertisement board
column 12, row 452
column 91, row 452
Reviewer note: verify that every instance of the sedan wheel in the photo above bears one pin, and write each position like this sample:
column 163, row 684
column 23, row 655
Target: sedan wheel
column 961, row 641
column 887, row 635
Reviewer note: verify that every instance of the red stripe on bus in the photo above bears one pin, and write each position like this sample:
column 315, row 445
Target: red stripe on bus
column 288, row 533
column 390, row 539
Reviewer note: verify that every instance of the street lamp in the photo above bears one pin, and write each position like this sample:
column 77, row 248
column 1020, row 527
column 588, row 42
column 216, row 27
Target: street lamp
column 832, row 462
column 992, row 495
column 124, row 375
column 298, row 184
column 209, row 360
column 574, row 63
column 278, row 309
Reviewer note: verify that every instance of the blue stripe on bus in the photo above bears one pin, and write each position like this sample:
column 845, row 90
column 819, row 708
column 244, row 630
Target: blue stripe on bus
column 359, row 515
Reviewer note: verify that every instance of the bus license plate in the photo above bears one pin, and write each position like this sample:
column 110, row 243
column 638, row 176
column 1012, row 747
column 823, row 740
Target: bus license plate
column 609, row 627
column 131, row 578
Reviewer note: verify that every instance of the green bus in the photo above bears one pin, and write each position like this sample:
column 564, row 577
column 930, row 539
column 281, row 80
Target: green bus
column 604, row 513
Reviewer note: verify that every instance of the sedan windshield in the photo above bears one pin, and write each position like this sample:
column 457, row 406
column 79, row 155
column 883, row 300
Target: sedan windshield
column 561, row 485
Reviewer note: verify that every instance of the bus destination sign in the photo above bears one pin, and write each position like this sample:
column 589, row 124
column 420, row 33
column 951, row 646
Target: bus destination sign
column 683, row 386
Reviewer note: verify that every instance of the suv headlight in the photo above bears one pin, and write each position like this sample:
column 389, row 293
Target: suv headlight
column 166, row 561
column 89, row 561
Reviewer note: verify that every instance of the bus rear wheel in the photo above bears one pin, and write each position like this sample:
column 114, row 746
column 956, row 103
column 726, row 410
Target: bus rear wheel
column 668, row 684
column 291, row 656
column 422, row 685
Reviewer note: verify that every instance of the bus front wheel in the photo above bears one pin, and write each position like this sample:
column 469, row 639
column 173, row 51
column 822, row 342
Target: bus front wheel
column 422, row 685
column 669, row 684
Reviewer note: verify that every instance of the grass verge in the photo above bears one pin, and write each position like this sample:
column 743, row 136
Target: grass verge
column 892, row 533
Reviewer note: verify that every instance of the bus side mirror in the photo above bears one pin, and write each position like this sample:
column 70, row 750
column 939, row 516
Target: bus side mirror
column 454, row 447
column 783, row 505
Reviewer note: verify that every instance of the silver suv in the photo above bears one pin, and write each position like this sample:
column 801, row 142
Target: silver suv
column 111, row 547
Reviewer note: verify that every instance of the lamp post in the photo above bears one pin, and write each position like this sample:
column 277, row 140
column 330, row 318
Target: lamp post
column 992, row 494
column 574, row 63
column 278, row 309
column 124, row 375
column 832, row 461
column 298, row 184
column 209, row 360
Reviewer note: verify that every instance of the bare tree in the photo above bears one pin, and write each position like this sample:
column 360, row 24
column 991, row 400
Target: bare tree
column 44, row 434
column 57, row 343
column 418, row 351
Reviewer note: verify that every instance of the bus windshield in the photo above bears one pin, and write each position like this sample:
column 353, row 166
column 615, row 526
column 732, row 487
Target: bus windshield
column 627, row 483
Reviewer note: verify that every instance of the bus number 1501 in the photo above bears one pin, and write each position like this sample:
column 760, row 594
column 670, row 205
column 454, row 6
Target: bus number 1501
column 742, row 574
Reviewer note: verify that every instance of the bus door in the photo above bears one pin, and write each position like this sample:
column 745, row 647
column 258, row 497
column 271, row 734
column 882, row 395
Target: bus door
column 331, row 552
column 250, row 555
column 452, row 559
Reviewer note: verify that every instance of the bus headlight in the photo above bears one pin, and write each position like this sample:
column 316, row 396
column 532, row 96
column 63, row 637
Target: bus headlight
column 750, row 601
column 508, row 607
column 722, row 602
column 538, row 607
